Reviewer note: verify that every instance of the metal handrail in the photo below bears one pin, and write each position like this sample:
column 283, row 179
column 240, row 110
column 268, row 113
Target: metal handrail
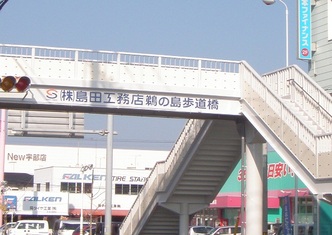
column 159, row 176
column 312, row 98
column 279, row 82
column 284, row 111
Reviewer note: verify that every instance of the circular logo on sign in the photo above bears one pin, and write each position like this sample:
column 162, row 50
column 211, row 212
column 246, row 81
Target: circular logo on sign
column 305, row 52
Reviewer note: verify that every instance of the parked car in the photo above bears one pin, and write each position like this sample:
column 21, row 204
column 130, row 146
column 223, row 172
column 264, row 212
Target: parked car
column 86, row 230
column 225, row 230
column 69, row 226
column 58, row 224
column 100, row 227
column 199, row 230
column 35, row 227
column 5, row 227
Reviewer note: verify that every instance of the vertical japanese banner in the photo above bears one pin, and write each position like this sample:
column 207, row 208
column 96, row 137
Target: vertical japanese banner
column 304, row 29
column 286, row 217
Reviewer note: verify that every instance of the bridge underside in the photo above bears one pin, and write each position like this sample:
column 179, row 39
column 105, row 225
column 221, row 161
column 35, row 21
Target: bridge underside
column 195, row 179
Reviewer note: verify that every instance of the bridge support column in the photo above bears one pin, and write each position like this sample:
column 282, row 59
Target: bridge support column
column 184, row 207
column 256, row 195
column 184, row 219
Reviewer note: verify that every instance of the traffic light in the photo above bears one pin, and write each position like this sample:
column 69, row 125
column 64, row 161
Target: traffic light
column 21, row 84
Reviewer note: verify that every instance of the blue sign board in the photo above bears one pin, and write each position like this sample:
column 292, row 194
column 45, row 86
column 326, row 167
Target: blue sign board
column 11, row 202
column 304, row 29
column 287, row 226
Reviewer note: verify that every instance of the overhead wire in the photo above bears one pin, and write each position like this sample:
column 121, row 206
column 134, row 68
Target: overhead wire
column 2, row 3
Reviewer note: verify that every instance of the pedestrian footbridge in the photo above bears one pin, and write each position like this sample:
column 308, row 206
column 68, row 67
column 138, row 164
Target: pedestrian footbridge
column 285, row 107
column 232, row 112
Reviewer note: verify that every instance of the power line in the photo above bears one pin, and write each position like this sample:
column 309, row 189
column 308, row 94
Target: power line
column 2, row 3
column 151, row 141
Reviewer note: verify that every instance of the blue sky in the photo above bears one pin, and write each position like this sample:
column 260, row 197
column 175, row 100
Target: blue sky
column 219, row 29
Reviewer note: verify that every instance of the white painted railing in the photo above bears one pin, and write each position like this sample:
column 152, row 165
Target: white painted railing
column 294, row 83
column 80, row 55
column 161, row 174
column 265, row 97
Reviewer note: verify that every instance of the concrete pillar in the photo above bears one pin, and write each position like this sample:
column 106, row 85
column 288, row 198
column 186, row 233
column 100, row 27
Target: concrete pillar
column 254, row 186
column 184, row 219
column 184, row 206
column 255, row 179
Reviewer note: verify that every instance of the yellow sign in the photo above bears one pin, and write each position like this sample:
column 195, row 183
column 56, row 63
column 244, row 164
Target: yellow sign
column 3, row 207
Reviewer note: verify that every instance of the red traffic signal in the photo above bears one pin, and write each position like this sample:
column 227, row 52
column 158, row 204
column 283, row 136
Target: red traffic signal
column 21, row 84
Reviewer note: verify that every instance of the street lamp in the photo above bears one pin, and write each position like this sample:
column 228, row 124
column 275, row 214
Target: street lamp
column 270, row 2
column 83, row 169
column 109, row 176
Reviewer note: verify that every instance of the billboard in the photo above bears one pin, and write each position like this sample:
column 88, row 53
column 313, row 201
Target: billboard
column 37, row 203
column 31, row 123
column 10, row 202
column 304, row 30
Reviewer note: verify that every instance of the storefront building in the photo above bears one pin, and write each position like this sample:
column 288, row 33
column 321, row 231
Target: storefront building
column 58, row 192
column 56, row 183
column 281, row 183
column 57, row 188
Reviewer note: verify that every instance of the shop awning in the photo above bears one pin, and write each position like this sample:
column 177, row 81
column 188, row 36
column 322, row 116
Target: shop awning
column 77, row 212
column 234, row 201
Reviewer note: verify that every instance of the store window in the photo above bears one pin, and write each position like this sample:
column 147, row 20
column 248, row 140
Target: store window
column 118, row 188
column 75, row 187
column 305, row 208
column 135, row 189
column 38, row 187
column 127, row 189
column 47, row 186
column 87, row 188
column 121, row 188
column 64, row 187
column 72, row 188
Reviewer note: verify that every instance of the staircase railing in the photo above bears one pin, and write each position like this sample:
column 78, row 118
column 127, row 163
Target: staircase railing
column 160, row 175
column 264, row 95
column 295, row 84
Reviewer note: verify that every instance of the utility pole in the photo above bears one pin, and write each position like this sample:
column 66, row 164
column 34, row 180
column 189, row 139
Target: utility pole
column 91, row 202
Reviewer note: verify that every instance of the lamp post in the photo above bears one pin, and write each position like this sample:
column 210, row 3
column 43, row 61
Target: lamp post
column 109, row 175
column 91, row 202
column 270, row 2
column 83, row 170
